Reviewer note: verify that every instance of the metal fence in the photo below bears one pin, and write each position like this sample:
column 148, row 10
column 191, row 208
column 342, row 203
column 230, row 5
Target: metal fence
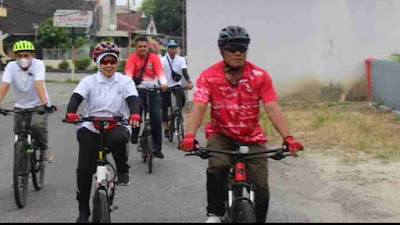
column 64, row 54
column 385, row 80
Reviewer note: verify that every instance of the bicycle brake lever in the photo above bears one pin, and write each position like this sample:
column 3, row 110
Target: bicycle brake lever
column 278, row 156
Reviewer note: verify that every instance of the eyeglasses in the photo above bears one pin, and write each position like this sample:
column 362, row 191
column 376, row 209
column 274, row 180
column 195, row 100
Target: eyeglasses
column 235, row 48
column 108, row 61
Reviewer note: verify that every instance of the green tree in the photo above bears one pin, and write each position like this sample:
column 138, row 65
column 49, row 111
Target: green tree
column 51, row 37
column 167, row 15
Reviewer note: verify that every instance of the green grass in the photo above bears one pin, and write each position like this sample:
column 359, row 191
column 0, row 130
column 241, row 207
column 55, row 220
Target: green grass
column 68, row 80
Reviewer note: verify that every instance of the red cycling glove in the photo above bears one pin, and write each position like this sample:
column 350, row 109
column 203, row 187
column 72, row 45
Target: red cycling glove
column 187, row 143
column 291, row 144
column 134, row 117
column 71, row 117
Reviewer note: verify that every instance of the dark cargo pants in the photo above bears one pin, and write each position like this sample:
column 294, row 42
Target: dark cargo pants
column 217, row 172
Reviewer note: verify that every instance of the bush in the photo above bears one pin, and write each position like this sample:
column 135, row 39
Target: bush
column 49, row 67
column 331, row 93
column 357, row 91
column 82, row 63
column 63, row 65
column 395, row 57
column 121, row 65
column 94, row 68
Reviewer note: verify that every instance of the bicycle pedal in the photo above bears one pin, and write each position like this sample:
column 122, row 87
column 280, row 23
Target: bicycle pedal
column 114, row 207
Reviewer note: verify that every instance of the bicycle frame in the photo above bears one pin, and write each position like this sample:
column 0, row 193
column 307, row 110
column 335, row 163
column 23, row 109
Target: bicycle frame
column 103, row 178
column 237, row 179
column 22, row 169
column 146, row 142
column 175, row 118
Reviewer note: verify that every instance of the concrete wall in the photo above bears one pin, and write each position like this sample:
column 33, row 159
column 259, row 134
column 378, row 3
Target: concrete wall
column 291, row 39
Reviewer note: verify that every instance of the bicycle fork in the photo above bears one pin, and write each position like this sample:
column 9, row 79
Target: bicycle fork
column 239, row 183
column 103, row 177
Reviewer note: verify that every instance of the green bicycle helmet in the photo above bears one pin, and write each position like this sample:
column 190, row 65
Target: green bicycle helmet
column 23, row 46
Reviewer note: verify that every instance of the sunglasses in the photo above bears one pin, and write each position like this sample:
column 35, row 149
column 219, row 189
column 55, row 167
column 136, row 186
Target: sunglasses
column 108, row 61
column 235, row 48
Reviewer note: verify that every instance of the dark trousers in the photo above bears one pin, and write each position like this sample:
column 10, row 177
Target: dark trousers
column 217, row 172
column 155, row 117
column 166, row 101
column 38, row 127
column 89, row 143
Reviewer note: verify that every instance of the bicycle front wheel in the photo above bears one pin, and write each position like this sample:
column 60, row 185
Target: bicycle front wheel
column 180, row 129
column 171, row 128
column 150, row 153
column 101, row 207
column 20, row 173
column 244, row 212
column 37, row 170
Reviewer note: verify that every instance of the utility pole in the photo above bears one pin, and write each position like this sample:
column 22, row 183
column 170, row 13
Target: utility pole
column 184, row 27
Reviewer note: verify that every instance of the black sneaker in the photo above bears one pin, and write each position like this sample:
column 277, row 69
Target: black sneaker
column 158, row 154
column 123, row 179
column 83, row 218
column 134, row 139
column 166, row 133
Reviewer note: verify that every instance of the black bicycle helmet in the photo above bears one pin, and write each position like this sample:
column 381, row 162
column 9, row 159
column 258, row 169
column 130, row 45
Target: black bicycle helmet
column 235, row 34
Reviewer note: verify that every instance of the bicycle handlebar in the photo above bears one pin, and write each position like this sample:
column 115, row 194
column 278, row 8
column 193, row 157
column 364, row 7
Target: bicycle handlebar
column 177, row 88
column 205, row 153
column 144, row 88
column 6, row 112
column 100, row 119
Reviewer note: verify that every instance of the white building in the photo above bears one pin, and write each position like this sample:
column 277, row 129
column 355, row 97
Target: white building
column 291, row 39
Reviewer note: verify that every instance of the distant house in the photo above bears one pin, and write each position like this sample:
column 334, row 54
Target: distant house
column 25, row 16
column 137, row 23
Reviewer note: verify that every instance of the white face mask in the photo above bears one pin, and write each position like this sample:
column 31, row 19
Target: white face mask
column 24, row 62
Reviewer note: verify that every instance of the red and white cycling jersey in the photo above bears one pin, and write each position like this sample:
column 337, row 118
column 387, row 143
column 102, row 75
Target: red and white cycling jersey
column 235, row 109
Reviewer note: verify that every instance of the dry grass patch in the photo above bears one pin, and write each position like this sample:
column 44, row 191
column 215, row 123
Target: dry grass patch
column 348, row 128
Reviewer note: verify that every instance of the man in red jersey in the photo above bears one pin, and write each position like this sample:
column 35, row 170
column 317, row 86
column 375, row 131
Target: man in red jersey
column 146, row 70
column 234, row 87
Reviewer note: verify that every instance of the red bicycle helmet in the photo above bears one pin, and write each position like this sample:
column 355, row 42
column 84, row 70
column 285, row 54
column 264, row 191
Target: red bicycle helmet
column 103, row 47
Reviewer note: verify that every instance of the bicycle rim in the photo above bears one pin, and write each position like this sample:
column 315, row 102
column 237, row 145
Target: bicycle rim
column 20, row 173
column 37, row 170
column 101, row 207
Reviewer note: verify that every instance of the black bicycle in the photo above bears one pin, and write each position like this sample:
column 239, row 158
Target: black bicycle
column 239, row 206
column 27, row 157
column 146, row 145
column 105, row 177
column 175, row 118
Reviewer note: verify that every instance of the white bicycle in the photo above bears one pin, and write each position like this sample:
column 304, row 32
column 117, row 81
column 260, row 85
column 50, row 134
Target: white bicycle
column 105, row 178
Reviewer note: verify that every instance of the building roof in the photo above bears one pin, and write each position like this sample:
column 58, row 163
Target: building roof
column 22, row 15
column 133, row 22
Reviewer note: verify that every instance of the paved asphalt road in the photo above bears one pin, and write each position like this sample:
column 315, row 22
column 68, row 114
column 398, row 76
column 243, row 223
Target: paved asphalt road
column 175, row 192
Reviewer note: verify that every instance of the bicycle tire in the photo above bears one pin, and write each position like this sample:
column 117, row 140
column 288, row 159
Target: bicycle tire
column 244, row 212
column 180, row 129
column 101, row 207
column 171, row 128
column 145, row 147
column 20, row 173
column 150, row 154
column 37, row 170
